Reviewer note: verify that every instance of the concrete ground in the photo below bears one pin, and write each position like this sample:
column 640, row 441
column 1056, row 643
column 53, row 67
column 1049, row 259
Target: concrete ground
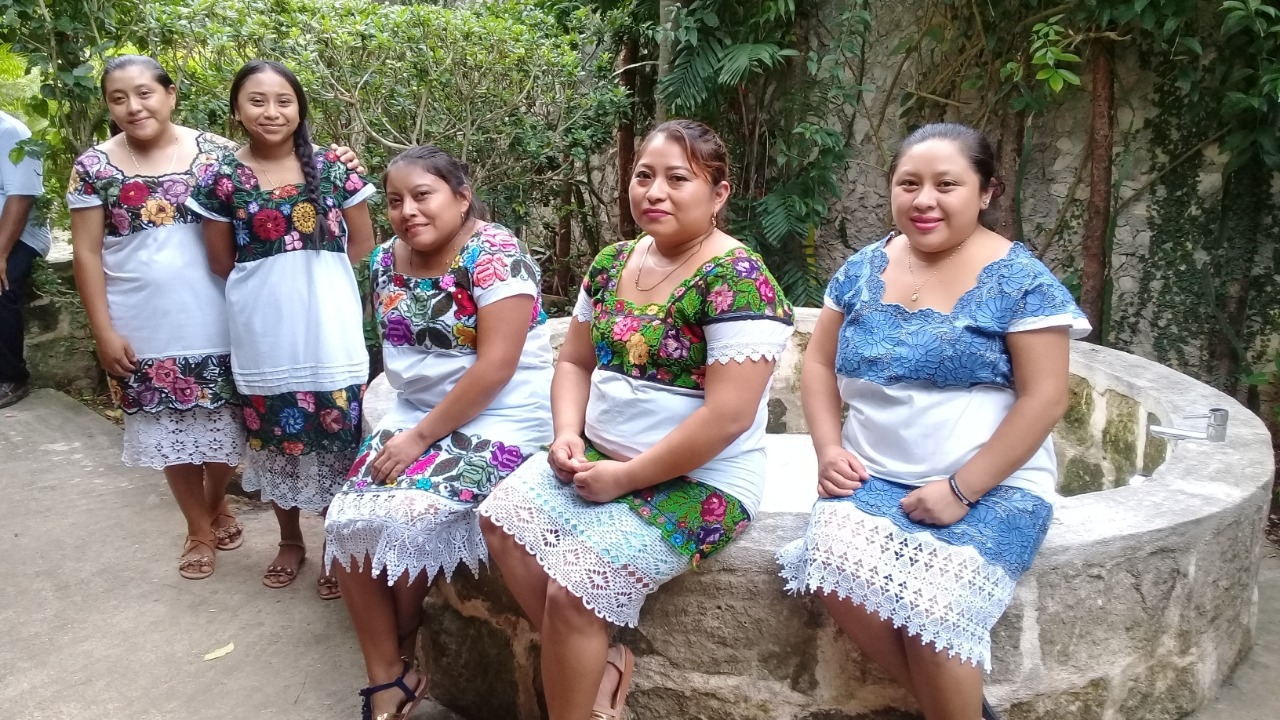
column 96, row 623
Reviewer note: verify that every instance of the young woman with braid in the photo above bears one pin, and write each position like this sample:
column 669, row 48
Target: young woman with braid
column 284, row 224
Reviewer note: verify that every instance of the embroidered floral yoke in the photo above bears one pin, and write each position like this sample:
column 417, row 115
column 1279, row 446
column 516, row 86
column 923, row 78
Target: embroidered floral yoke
column 297, row 342
column 926, row 390
column 425, row 519
column 651, row 364
column 164, row 301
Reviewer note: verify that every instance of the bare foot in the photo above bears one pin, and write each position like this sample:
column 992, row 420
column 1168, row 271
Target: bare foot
column 283, row 570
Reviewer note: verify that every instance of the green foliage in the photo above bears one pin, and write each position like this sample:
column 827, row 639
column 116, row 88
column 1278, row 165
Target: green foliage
column 784, row 106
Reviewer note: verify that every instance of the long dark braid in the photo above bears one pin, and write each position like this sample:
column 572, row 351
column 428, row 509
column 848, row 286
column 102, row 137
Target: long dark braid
column 303, row 149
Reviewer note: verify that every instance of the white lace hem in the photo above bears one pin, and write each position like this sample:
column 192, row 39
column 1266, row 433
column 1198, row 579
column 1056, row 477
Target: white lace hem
column 403, row 531
column 183, row 437
column 308, row 481
column 603, row 553
column 944, row 594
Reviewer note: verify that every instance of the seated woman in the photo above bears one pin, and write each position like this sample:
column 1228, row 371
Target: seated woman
column 465, row 347
column 659, row 403
column 949, row 344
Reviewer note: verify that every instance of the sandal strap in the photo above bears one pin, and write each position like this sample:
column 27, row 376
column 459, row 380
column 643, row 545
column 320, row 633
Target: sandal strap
column 366, row 710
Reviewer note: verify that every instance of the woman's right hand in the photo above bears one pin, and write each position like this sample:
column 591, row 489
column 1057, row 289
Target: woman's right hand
column 566, row 455
column 840, row 472
column 115, row 354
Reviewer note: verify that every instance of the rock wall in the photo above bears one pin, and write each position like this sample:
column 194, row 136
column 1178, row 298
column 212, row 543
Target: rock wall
column 59, row 347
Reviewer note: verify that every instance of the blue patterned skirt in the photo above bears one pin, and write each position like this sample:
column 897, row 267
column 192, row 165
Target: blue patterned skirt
column 946, row 585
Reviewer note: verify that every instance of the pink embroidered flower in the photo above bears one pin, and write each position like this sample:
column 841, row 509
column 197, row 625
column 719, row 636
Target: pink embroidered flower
column 102, row 173
column 332, row 419
column 722, row 298
column 422, row 466
column 291, row 447
column 737, row 529
column 358, row 465
column 164, row 373
column 120, row 219
column 501, row 242
column 293, row 241
column 490, row 270
column 134, row 193
column 625, row 327
column 466, row 495
column 766, row 289
column 184, row 390
column 224, row 188
column 447, row 282
column 251, row 419
column 307, row 401
column 334, row 218
column 699, row 376
column 713, row 508
column 353, row 183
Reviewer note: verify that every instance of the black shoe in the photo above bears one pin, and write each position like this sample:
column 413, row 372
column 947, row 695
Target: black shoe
column 987, row 712
column 12, row 392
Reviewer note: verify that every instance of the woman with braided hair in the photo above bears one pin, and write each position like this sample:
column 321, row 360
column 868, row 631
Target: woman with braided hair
column 285, row 223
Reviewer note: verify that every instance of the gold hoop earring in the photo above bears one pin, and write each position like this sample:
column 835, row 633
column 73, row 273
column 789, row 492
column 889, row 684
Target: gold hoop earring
column 714, row 221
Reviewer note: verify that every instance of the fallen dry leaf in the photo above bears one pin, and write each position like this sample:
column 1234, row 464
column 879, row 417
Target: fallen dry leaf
column 220, row 652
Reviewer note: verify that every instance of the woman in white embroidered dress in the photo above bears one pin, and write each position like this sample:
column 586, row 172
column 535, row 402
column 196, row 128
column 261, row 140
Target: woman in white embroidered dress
column 157, row 313
column 949, row 344
column 465, row 346
column 659, row 404
column 284, row 222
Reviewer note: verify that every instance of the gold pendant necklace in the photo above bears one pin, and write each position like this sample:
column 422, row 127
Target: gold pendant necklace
column 915, row 296
column 645, row 260
column 134, row 158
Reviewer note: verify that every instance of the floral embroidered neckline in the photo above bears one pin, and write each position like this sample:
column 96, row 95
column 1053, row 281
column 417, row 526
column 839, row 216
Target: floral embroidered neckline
column 620, row 262
column 880, row 261
column 188, row 170
column 454, row 265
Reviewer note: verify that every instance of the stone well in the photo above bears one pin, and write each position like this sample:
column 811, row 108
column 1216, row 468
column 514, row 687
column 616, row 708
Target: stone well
column 1141, row 602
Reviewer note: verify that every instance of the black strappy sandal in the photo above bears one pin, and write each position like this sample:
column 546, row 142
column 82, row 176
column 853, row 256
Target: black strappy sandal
column 412, row 698
column 988, row 713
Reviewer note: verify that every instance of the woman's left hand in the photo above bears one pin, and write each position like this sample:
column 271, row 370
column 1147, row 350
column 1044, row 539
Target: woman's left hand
column 934, row 504
column 348, row 157
column 601, row 481
column 401, row 451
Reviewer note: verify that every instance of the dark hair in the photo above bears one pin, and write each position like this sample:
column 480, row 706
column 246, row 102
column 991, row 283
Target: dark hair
column 303, row 148
column 701, row 144
column 974, row 145
column 451, row 170
column 120, row 62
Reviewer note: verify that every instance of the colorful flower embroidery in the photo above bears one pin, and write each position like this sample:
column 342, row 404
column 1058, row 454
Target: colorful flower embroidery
column 175, row 383
column 666, row 344
column 301, row 423
column 695, row 518
column 283, row 219
column 140, row 203
column 440, row 313
column 461, row 467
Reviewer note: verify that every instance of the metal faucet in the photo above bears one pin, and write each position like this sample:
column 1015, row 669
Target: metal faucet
column 1215, row 429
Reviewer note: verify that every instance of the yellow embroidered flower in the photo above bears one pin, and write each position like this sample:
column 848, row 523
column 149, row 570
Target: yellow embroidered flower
column 465, row 335
column 304, row 217
column 637, row 349
column 158, row 211
column 340, row 397
column 255, row 443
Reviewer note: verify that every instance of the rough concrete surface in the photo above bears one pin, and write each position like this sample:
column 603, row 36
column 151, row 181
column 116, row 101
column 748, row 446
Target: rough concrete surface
column 96, row 623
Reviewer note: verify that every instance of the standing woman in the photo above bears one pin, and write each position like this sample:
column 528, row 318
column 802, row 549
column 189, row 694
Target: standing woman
column 949, row 344
column 466, row 348
column 284, row 222
column 659, row 405
column 156, row 312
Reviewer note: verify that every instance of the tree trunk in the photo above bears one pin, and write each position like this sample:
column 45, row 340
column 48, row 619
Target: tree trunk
column 627, row 140
column 666, row 53
column 1008, row 153
column 564, row 242
column 1095, row 265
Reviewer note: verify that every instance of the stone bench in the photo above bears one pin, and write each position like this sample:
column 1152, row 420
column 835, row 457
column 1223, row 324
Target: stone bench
column 1141, row 602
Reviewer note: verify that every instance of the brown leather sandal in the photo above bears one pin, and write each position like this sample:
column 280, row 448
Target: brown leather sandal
column 230, row 536
column 279, row 576
column 197, row 567
column 327, row 587
column 621, row 659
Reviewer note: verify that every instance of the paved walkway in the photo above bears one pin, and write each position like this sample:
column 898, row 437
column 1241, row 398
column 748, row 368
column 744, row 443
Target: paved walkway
column 97, row 624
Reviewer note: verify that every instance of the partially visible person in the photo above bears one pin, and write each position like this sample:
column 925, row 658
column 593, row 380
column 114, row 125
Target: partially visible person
column 465, row 345
column 284, row 223
column 949, row 345
column 23, row 238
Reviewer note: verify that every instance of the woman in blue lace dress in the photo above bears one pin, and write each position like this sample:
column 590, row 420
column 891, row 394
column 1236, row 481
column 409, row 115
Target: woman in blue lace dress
column 950, row 345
